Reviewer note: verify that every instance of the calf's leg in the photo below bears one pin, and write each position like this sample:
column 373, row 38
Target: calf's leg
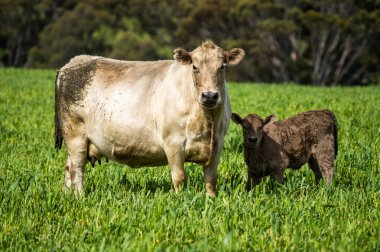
column 277, row 175
column 326, row 165
column 253, row 181
column 314, row 166
column 325, row 156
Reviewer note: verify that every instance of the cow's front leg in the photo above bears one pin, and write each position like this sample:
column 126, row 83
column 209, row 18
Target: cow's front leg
column 176, row 161
column 210, row 172
column 210, row 178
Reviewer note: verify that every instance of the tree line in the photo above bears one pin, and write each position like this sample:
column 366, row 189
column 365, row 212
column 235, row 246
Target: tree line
column 326, row 42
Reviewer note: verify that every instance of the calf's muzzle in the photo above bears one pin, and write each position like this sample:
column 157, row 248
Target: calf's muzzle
column 252, row 140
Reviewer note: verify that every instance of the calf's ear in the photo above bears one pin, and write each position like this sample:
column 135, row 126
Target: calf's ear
column 269, row 119
column 233, row 56
column 182, row 56
column 236, row 118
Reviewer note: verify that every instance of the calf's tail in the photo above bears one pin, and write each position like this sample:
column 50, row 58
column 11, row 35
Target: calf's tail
column 336, row 138
column 335, row 131
column 57, row 128
column 331, row 115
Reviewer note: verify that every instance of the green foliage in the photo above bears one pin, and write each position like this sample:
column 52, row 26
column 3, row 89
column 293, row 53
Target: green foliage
column 20, row 23
column 136, row 209
column 96, row 28
column 310, row 42
column 133, row 43
column 70, row 35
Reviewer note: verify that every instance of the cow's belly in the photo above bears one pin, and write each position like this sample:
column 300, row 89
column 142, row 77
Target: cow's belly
column 127, row 145
column 129, row 153
column 120, row 126
column 137, row 156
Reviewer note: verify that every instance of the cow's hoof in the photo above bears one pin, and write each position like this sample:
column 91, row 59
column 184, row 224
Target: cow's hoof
column 66, row 189
column 211, row 194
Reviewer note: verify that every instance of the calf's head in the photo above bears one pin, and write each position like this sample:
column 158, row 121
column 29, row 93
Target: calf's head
column 253, row 127
column 208, row 63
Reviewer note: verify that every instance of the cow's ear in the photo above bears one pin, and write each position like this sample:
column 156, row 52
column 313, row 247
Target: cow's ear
column 236, row 118
column 233, row 56
column 269, row 119
column 182, row 56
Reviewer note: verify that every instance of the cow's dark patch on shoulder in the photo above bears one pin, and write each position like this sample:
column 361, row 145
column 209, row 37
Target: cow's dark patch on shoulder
column 74, row 80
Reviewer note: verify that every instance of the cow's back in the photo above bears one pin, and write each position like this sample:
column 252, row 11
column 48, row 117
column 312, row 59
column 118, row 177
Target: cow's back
column 85, row 74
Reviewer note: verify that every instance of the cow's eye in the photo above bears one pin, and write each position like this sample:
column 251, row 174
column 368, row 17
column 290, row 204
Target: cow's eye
column 195, row 69
column 222, row 67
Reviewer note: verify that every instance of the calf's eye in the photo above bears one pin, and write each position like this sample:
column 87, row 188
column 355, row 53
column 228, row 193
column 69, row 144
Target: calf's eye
column 195, row 69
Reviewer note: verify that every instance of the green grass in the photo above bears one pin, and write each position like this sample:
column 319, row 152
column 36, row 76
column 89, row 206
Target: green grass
column 137, row 210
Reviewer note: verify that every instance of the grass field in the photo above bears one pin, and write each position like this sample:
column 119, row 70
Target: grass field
column 137, row 210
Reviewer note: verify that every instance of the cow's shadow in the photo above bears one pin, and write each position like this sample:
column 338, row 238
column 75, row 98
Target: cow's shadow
column 151, row 184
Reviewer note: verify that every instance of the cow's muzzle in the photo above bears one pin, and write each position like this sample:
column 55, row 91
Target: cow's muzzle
column 210, row 99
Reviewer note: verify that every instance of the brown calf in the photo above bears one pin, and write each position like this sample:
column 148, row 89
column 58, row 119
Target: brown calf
column 270, row 147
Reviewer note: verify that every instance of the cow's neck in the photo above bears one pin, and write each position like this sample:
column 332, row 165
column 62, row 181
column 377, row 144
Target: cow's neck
column 204, row 124
column 205, row 121
column 211, row 126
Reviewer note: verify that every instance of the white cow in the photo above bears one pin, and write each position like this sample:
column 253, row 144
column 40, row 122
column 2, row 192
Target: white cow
column 144, row 113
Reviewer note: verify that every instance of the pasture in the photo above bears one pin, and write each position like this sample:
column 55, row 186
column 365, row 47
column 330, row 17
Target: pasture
column 137, row 209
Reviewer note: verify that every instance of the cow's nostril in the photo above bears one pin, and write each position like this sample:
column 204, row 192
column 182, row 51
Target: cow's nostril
column 216, row 96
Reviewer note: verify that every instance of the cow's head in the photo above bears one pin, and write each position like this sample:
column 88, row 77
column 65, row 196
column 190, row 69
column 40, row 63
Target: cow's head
column 253, row 127
column 208, row 63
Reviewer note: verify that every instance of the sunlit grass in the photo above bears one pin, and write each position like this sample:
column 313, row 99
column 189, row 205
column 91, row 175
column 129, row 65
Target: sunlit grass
column 137, row 210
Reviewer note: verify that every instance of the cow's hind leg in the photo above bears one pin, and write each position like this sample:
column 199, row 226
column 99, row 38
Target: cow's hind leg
column 67, row 183
column 76, row 160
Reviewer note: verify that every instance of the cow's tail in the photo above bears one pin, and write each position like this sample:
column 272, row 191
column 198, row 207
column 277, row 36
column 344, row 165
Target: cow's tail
column 57, row 126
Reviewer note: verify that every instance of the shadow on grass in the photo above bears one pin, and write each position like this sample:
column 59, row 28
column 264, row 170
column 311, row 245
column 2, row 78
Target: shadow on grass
column 151, row 184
